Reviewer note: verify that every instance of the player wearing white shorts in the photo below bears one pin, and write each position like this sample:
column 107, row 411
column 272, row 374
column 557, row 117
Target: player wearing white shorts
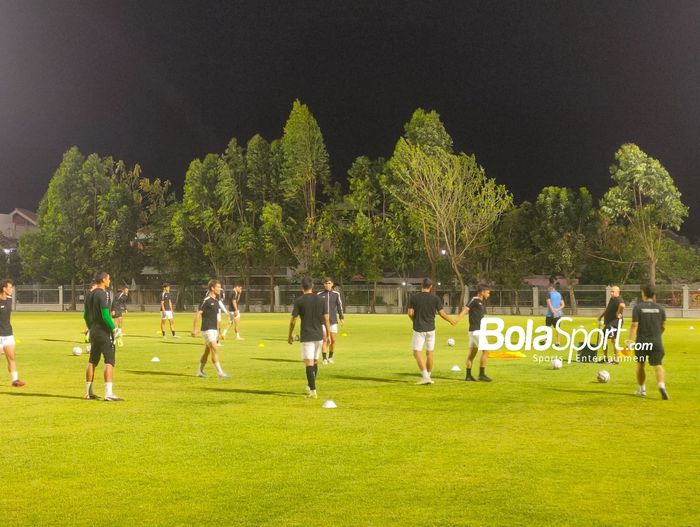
column 7, row 339
column 313, row 313
column 335, row 313
column 422, row 308
column 166, row 310
column 475, row 308
column 208, row 311
column 234, row 308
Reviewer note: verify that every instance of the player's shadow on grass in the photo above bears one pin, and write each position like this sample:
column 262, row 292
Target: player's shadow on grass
column 63, row 340
column 29, row 394
column 371, row 379
column 142, row 372
column 277, row 360
column 596, row 392
column 254, row 392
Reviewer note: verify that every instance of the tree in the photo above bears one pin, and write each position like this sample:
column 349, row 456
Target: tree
column 645, row 200
column 511, row 250
column 678, row 263
column 451, row 197
column 564, row 227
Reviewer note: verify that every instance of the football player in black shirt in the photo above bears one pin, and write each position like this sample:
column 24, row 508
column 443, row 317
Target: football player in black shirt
column 103, row 332
column 118, row 310
column 335, row 314
column 314, row 316
column 235, row 309
column 648, row 324
column 166, row 310
column 612, row 317
column 7, row 339
column 208, row 311
column 476, row 309
column 422, row 308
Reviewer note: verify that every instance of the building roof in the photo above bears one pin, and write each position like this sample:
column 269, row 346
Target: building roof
column 28, row 214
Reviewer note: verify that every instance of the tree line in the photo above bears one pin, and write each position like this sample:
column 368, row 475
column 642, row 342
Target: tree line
column 425, row 209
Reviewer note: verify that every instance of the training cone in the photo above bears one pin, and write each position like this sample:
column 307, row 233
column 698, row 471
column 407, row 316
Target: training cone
column 330, row 403
column 691, row 327
column 261, row 345
column 19, row 341
column 455, row 368
column 345, row 334
column 155, row 359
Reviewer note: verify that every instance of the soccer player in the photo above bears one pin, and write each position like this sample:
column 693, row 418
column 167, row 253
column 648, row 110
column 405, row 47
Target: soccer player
column 648, row 324
column 119, row 308
column 166, row 310
column 555, row 308
column 476, row 309
column 7, row 339
column 221, row 297
column 103, row 332
column 235, row 311
column 422, row 308
column 611, row 317
column 334, row 306
column 312, row 310
column 208, row 311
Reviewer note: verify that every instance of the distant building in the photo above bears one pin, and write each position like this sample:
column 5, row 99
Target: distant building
column 16, row 223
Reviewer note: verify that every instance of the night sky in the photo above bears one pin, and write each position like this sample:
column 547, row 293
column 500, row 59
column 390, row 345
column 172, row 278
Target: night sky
column 542, row 92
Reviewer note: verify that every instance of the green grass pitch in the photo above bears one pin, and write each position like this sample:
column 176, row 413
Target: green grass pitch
column 535, row 447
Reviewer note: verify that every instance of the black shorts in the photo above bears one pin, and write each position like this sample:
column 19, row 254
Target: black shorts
column 551, row 321
column 101, row 345
column 654, row 357
column 117, row 314
column 611, row 329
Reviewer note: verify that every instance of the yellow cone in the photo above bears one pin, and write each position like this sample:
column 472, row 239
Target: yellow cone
column 261, row 345
column 18, row 341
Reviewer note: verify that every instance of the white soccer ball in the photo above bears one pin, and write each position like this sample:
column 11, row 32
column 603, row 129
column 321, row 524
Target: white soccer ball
column 77, row 351
column 450, row 342
column 557, row 364
column 603, row 376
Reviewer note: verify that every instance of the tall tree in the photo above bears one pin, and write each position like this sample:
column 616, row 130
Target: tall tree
column 451, row 196
column 565, row 224
column 305, row 174
column 645, row 200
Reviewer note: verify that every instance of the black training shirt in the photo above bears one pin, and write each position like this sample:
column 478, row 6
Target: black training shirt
column 425, row 305
column 165, row 298
column 477, row 310
column 209, row 308
column 610, row 314
column 651, row 317
column 333, row 305
column 311, row 309
column 5, row 310
column 97, row 301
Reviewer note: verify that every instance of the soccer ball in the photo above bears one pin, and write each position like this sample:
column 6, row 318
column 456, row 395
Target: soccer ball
column 603, row 376
column 77, row 351
column 450, row 342
column 556, row 364
column 296, row 337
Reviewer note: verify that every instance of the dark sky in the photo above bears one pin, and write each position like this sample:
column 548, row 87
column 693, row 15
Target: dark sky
column 542, row 92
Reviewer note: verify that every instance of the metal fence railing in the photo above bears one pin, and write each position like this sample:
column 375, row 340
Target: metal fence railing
column 387, row 298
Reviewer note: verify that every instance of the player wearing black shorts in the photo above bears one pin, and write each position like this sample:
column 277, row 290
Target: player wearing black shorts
column 103, row 332
column 648, row 324
column 7, row 339
column 119, row 308
column 612, row 319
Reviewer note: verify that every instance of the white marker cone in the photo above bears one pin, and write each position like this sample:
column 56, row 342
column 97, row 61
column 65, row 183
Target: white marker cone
column 455, row 368
column 691, row 327
column 329, row 404
column 155, row 359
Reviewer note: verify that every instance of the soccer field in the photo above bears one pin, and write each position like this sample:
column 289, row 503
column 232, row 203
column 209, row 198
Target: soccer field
column 534, row 447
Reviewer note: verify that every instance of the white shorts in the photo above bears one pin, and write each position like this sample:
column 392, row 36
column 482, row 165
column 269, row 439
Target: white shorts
column 334, row 328
column 8, row 340
column 473, row 340
column 424, row 338
column 311, row 350
column 166, row 315
column 210, row 335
